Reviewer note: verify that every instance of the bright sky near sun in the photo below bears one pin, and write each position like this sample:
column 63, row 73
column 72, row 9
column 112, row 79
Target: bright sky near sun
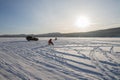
column 45, row 16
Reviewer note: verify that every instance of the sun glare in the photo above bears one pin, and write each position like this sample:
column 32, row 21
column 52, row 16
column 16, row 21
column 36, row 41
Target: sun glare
column 82, row 22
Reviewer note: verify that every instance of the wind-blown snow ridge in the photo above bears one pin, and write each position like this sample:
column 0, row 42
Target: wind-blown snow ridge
column 68, row 59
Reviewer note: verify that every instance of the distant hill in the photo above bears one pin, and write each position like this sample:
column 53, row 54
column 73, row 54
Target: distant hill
column 113, row 32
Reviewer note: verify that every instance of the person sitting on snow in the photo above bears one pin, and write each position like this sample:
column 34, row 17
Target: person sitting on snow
column 55, row 38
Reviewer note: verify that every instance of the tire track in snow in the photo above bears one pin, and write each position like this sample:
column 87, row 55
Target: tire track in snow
column 107, row 74
column 107, row 55
column 53, row 55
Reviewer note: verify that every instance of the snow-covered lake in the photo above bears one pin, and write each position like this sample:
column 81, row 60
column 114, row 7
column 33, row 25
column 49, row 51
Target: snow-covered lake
column 68, row 59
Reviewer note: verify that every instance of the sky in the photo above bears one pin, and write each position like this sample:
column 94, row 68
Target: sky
column 46, row 16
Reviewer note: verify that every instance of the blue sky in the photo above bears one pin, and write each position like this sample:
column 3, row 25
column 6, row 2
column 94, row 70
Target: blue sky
column 44, row 16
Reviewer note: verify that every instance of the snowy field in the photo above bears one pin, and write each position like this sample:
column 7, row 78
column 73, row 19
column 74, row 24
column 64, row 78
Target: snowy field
column 68, row 59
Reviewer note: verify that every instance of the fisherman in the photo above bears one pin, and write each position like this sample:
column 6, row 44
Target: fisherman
column 50, row 42
column 55, row 38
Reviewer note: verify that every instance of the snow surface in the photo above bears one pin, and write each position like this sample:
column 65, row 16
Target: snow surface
column 68, row 59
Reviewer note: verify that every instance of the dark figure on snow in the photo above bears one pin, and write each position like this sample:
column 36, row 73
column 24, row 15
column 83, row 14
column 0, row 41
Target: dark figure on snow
column 50, row 42
column 55, row 38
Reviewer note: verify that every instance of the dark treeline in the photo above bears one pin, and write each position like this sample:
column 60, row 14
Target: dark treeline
column 114, row 32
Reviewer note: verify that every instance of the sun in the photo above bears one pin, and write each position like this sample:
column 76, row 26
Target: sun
column 82, row 22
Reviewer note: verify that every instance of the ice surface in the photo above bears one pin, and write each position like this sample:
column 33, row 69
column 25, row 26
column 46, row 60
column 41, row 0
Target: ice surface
column 68, row 59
